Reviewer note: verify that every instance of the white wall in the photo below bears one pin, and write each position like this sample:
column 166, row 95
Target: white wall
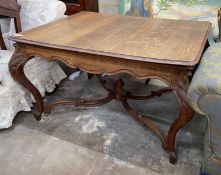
column 109, row 6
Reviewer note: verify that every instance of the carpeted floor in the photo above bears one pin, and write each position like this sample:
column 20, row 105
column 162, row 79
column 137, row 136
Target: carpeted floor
column 102, row 140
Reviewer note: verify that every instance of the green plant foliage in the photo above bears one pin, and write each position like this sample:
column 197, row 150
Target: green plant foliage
column 163, row 4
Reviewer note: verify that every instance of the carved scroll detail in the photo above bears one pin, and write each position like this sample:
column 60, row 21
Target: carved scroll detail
column 148, row 72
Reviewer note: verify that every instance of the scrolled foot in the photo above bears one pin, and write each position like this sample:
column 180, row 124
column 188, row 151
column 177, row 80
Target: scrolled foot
column 172, row 157
column 37, row 115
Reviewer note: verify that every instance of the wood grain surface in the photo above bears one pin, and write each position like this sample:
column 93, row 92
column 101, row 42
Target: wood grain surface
column 176, row 42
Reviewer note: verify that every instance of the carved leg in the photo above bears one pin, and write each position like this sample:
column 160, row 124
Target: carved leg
column 18, row 23
column 16, row 68
column 185, row 114
column 145, row 121
column 121, row 95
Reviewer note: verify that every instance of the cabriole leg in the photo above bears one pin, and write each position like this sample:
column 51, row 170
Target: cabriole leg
column 185, row 114
column 16, row 68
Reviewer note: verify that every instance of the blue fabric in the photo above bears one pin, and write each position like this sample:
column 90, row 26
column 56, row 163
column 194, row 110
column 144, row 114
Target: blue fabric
column 210, row 105
column 204, row 95
column 138, row 8
column 207, row 77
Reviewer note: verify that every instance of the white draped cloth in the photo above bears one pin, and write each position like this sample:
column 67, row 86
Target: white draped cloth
column 44, row 75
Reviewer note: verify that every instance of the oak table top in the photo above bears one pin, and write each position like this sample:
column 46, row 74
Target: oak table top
column 99, row 44
column 166, row 41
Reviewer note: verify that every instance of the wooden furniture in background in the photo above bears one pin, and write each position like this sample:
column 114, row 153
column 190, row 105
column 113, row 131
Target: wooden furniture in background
column 75, row 6
column 219, row 25
column 10, row 9
column 2, row 44
column 146, row 48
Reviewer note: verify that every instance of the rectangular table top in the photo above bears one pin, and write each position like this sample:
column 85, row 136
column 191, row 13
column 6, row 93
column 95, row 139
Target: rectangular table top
column 164, row 41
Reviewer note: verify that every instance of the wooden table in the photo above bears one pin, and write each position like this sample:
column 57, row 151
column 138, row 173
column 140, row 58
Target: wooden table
column 99, row 44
